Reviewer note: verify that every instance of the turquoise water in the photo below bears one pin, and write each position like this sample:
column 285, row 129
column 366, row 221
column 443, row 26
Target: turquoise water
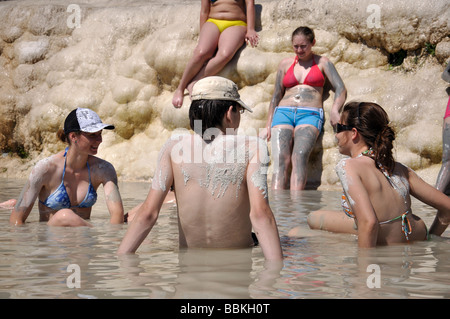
column 36, row 260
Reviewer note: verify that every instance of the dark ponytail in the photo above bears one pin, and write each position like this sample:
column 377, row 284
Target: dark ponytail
column 383, row 148
column 372, row 123
column 63, row 137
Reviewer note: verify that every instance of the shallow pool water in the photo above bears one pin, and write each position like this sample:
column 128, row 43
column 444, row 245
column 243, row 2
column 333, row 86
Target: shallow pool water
column 37, row 261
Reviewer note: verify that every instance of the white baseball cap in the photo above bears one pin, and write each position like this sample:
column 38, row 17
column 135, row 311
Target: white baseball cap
column 84, row 120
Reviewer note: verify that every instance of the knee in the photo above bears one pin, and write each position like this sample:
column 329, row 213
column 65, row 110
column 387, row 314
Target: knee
column 315, row 220
column 64, row 218
column 224, row 55
column 201, row 55
column 300, row 156
column 283, row 158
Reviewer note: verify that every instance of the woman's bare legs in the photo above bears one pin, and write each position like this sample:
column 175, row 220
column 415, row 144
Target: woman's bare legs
column 281, row 155
column 227, row 43
column 206, row 46
column 305, row 137
column 67, row 218
column 9, row 204
column 230, row 40
column 328, row 220
column 288, row 149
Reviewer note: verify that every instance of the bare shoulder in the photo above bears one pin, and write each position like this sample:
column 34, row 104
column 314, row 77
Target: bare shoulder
column 45, row 168
column 353, row 165
column 405, row 171
column 320, row 59
column 286, row 63
column 101, row 167
column 323, row 62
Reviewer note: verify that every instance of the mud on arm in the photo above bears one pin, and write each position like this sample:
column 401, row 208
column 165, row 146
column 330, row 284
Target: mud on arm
column 340, row 92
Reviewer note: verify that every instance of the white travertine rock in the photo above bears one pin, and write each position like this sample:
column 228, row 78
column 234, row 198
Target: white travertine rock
column 125, row 60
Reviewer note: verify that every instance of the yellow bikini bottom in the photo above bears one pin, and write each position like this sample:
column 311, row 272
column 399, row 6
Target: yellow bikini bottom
column 223, row 24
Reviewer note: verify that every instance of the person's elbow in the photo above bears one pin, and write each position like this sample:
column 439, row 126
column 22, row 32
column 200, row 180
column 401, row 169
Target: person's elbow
column 262, row 216
column 146, row 216
column 341, row 92
column 368, row 233
column 17, row 219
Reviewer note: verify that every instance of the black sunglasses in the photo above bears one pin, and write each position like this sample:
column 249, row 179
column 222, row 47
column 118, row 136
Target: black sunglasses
column 341, row 127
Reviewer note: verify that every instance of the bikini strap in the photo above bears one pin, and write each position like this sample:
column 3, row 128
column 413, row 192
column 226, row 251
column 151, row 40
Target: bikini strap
column 406, row 225
column 64, row 170
column 89, row 172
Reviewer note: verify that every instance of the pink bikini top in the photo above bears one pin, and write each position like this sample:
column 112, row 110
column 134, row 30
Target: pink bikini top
column 313, row 78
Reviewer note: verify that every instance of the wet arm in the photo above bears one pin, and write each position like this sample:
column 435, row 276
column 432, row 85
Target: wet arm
column 146, row 217
column 26, row 199
column 431, row 196
column 251, row 35
column 147, row 213
column 261, row 216
column 340, row 92
column 362, row 208
column 277, row 96
column 204, row 11
column 112, row 197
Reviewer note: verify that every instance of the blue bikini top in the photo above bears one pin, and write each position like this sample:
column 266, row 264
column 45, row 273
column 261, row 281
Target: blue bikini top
column 59, row 199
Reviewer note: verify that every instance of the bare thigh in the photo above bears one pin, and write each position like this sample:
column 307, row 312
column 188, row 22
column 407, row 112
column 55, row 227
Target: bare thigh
column 208, row 39
column 67, row 218
column 231, row 39
column 332, row 221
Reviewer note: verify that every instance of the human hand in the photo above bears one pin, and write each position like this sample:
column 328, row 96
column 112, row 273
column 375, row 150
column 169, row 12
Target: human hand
column 334, row 117
column 265, row 133
column 252, row 38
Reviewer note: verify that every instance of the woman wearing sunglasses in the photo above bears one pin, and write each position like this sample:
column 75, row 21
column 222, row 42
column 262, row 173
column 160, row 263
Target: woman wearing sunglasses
column 376, row 198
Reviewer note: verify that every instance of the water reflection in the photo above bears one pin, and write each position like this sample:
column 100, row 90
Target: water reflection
column 34, row 259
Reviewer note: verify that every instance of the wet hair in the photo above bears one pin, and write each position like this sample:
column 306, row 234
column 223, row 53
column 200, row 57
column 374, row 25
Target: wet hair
column 372, row 123
column 209, row 112
column 305, row 31
column 63, row 137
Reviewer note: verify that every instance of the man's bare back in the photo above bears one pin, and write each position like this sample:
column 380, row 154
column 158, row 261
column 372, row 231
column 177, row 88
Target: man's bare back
column 210, row 182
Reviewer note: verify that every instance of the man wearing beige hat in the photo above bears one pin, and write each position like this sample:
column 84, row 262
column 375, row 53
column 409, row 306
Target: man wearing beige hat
column 219, row 179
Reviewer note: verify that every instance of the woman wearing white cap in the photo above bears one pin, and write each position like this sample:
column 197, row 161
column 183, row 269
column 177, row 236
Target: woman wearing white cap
column 66, row 183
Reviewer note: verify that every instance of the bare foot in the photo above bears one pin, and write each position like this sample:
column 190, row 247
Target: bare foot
column 9, row 204
column 178, row 97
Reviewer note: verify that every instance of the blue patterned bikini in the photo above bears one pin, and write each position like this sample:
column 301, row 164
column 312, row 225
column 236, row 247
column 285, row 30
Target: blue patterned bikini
column 59, row 199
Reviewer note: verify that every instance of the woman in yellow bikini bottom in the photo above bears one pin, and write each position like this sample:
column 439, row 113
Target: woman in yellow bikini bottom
column 223, row 24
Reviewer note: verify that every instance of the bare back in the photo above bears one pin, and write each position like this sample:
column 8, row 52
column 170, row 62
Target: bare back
column 388, row 202
column 211, row 188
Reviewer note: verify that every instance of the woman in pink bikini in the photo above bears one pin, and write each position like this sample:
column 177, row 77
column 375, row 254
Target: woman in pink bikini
column 224, row 26
column 295, row 116
column 443, row 179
